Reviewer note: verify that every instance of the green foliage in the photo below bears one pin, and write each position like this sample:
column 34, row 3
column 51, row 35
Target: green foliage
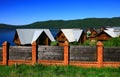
column 74, row 43
column 54, row 43
column 90, row 43
column 86, row 43
column 39, row 70
column 112, row 42
column 79, row 23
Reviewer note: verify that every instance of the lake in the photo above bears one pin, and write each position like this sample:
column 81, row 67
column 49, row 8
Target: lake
column 8, row 35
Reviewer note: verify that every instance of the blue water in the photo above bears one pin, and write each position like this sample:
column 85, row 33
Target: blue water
column 8, row 35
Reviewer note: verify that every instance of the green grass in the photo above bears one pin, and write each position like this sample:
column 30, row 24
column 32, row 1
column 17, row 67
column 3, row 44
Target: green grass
column 113, row 42
column 56, row 71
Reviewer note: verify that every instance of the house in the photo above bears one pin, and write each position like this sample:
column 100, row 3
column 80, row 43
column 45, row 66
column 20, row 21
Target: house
column 93, row 32
column 70, row 35
column 28, row 36
column 106, row 34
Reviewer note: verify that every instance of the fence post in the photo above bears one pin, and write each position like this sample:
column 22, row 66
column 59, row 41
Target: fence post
column 66, row 54
column 5, row 53
column 100, row 53
column 34, row 53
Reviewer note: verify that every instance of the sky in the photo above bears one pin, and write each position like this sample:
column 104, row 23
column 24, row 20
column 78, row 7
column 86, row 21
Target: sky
column 22, row 12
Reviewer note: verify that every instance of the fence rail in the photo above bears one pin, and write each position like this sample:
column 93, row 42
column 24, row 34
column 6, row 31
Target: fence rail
column 85, row 56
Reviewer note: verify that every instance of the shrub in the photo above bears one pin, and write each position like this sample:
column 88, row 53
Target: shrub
column 74, row 43
column 112, row 42
column 54, row 43
column 90, row 43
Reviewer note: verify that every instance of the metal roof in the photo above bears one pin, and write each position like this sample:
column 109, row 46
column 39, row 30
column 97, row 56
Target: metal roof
column 49, row 34
column 117, row 31
column 111, row 32
column 72, row 34
column 77, row 34
column 36, row 34
column 28, row 36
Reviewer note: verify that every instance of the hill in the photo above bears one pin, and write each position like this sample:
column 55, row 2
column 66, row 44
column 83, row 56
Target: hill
column 6, row 26
column 78, row 23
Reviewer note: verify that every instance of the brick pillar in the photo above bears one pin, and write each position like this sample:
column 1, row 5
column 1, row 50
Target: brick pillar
column 66, row 54
column 100, row 53
column 5, row 53
column 34, row 53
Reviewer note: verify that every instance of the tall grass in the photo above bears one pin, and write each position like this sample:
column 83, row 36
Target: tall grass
column 112, row 42
column 56, row 71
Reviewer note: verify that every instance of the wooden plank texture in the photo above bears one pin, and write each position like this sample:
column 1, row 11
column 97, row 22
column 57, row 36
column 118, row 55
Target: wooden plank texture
column 20, row 53
column 1, row 57
column 82, row 53
column 50, row 53
column 112, row 54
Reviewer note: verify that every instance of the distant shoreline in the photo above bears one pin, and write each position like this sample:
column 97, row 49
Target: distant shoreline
column 79, row 23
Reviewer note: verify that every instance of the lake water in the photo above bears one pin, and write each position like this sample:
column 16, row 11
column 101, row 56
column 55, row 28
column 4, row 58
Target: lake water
column 8, row 35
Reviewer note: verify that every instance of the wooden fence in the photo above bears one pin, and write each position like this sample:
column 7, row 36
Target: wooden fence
column 86, row 56
column 111, row 54
column 1, row 57
column 83, row 53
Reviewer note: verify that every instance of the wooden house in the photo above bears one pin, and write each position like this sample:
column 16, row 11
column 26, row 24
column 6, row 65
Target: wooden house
column 28, row 36
column 70, row 35
column 106, row 35
column 93, row 32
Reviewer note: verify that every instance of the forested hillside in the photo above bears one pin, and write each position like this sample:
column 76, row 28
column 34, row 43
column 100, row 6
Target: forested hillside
column 78, row 23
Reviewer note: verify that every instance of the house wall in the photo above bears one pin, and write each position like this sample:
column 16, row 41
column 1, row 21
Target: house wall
column 43, row 39
column 61, row 38
column 83, row 38
column 92, row 35
column 16, row 39
column 103, row 36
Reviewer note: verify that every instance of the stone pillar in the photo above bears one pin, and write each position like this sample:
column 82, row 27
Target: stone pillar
column 100, row 54
column 66, row 53
column 5, row 53
column 34, row 53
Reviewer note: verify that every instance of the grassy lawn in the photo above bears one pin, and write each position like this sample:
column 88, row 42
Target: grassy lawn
column 57, row 71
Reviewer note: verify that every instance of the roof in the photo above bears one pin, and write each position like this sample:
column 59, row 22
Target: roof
column 111, row 32
column 72, row 34
column 114, row 31
column 28, row 36
column 117, row 31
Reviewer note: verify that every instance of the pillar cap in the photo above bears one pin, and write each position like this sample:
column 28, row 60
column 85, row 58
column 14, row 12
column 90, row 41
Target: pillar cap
column 5, row 43
column 66, row 43
column 99, row 43
column 34, row 43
